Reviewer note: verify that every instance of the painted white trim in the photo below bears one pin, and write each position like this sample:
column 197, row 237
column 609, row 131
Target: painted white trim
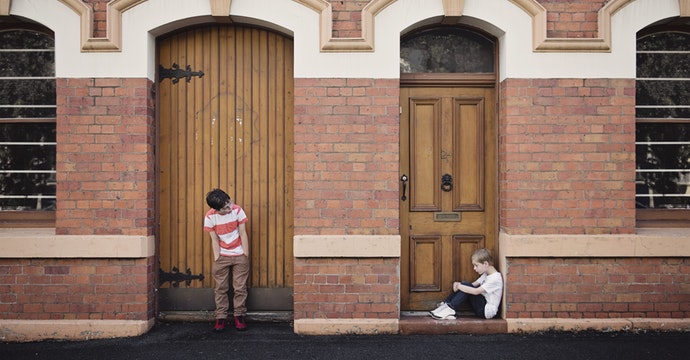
column 43, row 243
column 141, row 23
column 358, row 246
column 37, row 330
column 505, row 20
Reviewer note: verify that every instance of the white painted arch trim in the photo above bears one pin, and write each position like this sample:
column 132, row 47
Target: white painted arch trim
column 113, row 40
column 542, row 43
column 504, row 19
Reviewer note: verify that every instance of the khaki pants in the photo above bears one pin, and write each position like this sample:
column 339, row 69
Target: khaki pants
column 222, row 268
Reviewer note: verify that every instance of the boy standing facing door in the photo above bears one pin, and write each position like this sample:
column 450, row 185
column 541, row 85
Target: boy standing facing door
column 225, row 222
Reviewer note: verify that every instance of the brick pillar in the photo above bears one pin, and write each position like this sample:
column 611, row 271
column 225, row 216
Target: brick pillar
column 346, row 206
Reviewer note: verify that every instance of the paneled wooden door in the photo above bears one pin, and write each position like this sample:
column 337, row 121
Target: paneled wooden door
column 448, row 158
column 225, row 110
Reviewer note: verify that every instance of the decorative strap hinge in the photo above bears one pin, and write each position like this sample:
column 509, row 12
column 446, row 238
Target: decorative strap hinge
column 175, row 73
column 175, row 277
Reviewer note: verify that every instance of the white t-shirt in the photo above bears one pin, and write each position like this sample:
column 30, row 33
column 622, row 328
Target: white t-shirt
column 493, row 291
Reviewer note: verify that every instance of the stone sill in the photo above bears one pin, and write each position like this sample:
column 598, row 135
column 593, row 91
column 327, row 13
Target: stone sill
column 645, row 243
column 43, row 243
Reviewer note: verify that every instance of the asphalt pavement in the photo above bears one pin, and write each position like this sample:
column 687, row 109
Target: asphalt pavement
column 268, row 340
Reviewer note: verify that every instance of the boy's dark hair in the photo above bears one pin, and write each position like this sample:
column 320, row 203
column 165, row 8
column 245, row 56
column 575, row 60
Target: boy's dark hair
column 217, row 199
column 482, row 255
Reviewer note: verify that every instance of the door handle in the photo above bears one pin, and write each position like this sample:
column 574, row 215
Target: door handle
column 403, row 179
column 446, row 182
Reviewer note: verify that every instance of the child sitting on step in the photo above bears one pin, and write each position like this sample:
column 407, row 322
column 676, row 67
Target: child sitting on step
column 484, row 294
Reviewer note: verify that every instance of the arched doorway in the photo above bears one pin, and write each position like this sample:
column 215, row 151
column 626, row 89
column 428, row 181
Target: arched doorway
column 224, row 113
column 448, row 159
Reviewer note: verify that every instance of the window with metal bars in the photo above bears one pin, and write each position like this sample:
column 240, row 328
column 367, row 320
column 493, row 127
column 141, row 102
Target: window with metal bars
column 27, row 128
column 662, row 142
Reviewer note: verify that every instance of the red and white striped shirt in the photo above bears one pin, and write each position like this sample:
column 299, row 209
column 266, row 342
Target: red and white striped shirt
column 227, row 228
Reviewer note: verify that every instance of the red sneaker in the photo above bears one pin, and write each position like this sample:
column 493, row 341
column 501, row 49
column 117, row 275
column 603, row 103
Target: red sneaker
column 220, row 325
column 240, row 324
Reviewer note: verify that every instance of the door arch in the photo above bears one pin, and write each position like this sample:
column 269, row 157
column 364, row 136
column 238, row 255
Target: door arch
column 448, row 155
column 224, row 117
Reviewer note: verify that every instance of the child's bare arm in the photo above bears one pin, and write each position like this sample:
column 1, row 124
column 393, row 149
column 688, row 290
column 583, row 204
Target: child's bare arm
column 215, row 245
column 245, row 239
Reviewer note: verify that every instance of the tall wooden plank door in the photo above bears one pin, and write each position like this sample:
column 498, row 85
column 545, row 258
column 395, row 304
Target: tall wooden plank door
column 225, row 110
column 448, row 158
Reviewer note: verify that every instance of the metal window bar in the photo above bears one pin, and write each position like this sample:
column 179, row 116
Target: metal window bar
column 27, row 77
column 662, row 195
column 663, row 52
column 27, row 172
column 662, row 79
column 662, row 170
column 662, row 142
column 26, row 106
column 27, row 196
column 28, row 50
column 662, row 106
column 38, row 143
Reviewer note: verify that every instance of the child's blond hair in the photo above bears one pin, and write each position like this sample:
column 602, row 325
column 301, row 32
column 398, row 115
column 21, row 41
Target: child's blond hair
column 482, row 255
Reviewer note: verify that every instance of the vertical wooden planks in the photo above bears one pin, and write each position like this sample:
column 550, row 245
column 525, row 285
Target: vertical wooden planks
column 231, row 128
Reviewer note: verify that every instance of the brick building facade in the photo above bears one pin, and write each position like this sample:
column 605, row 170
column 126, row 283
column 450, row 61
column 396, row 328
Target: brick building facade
column 567, row 234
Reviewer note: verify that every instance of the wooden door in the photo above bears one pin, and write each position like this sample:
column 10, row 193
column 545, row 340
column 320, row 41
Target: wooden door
column 224, row 112
column 448, row 141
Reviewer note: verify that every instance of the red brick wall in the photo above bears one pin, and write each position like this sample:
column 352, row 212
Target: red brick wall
column 345, row 288
column 100, row 16
column 347, row 18
column 105, row 158
column 567, row 156
column 598, row 288
column 572, row 18
column 346, row 156
column 67, row 289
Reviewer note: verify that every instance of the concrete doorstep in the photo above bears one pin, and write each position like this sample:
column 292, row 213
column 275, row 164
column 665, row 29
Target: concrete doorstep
column 420, row 323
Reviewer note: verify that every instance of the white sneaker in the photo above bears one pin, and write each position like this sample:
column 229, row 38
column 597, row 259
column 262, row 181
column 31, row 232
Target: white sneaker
column 445, row 313
column 435, row 312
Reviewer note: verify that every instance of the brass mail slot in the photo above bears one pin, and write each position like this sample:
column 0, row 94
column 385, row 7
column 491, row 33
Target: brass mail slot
column 447, row 216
